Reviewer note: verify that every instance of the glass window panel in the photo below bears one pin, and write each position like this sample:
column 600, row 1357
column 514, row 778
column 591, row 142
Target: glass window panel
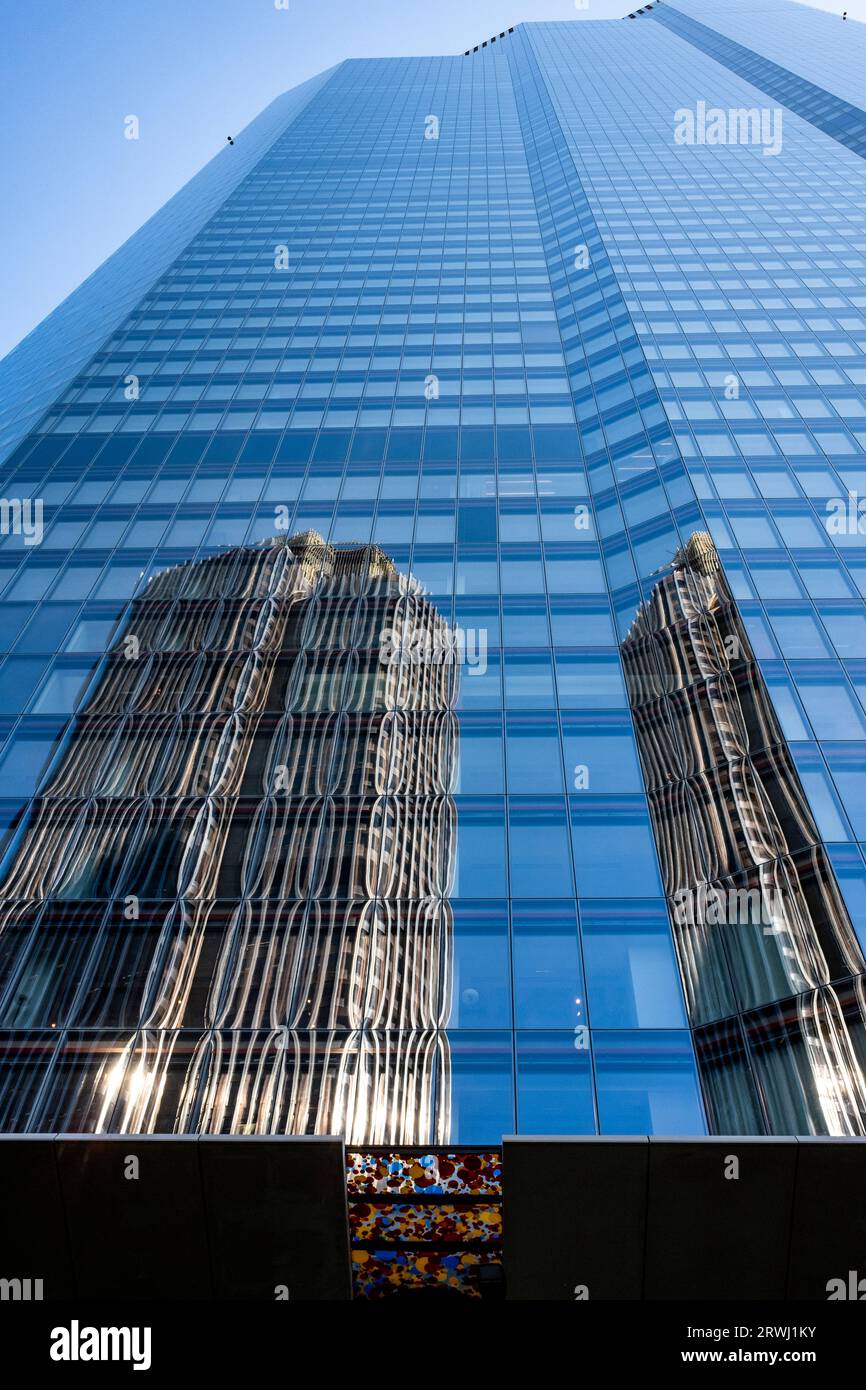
column 61, row 691
column 24, row 759
column 538, row 841
column 480, row 856
column 821, row 793
column 533, row 754
column 481, row 981
column 528, row 680
column 589, row 682
column 631, row 968
column 596, row 824
column 600, row 756
column 482, row 1086
column 831, row 705
column 554, row 1085
column 479, row 756
column 647, row 1083
column 548, row 977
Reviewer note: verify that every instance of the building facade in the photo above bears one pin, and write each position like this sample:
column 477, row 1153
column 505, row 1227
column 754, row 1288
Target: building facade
column 527, row 325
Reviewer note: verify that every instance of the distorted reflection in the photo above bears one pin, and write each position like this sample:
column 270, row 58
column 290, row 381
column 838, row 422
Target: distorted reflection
column 237, row 874
column 771, row 965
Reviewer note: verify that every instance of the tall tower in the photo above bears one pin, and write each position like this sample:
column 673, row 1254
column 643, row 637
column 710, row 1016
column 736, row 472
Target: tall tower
column 524, row 319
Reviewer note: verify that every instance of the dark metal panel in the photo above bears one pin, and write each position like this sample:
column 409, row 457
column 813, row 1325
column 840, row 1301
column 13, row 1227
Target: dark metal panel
column 718, row 1217
column 277, row 1216
column 135, row 1237
column 33, row 1243
column 828, row 1227
column 574, row 1216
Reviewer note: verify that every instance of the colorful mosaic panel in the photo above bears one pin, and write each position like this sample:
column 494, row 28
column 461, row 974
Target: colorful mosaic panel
column 382, row 1273
column 471, row 1173
column 403, row 1221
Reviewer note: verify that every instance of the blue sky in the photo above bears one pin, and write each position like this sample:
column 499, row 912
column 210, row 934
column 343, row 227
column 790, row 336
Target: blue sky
column 193, row 71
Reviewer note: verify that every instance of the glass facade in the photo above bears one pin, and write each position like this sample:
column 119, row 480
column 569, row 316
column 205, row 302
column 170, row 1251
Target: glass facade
column 497, row 317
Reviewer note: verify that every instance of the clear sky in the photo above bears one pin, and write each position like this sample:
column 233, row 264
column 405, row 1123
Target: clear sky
column 193, row 71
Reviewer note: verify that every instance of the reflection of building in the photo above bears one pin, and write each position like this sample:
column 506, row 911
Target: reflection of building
column 771, row 966
column 238, row 868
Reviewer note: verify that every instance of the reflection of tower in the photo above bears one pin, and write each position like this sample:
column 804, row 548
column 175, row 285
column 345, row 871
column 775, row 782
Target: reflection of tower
column 262, row 774
column 770, row 963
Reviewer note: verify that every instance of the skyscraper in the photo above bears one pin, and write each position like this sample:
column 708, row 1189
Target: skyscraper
column 552, row 354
